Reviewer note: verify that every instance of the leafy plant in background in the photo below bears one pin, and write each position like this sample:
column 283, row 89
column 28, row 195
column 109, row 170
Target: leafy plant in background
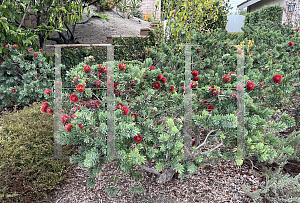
column 184, row 16
column 107, row 5
column 138, row 13
column 128, row 6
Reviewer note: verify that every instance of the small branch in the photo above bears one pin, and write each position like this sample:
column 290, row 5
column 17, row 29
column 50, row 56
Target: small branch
column 72, row 36
column 63, row 36
column 150, row 170
column 219, row 145
column 205, row 140
column 18, row 67
column 23, row 16
column 57, row 40
column 20, row 24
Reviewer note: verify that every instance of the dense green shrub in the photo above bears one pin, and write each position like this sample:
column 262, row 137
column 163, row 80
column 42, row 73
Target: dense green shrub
column 26, row 140
column 267, row 13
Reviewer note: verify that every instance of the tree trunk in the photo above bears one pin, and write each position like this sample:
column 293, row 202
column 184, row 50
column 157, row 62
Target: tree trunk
column 41, row 35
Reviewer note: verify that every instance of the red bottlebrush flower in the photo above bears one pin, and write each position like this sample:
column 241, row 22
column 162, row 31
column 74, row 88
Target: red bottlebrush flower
column 156, row 85
column 97, row 103
column 105, row 69
column 172, row 88
column 119, row 106
column 75, row 79
column 13, row 90
column 44, row 109
column 148, row 51
column 204, row 101
column 1, row 63
column 231, row 72
column 134, row 115
column 193, row 142
column 210, row 108
column 132, row 84
column 291, row 44
column 138, row 138
column 159, row 76
column 92, row 58
column 198, row 50
column 41, row 50
column 182, row 88
column 195, row 73
column 193, row 84
column 38, row 75
column 30, row 49
column 47, row 91
column 68, row 127
column 116, row 86
column 196, row 78
column 49, row 110
column 277, row 78
column 164, row 80
column 80, row 126
column 99, row 74
column 7, row 46
column 101, row 67
column 97, row 83
column 80, row 88
column 125, row 110
column 64, row 118
column 250, row 85
column 119, row 93
column 240, row 52
column 152, row 68
column 72, row 115
column 45, row 104
column 88, row 105
column 122, row 66
column 15, row 46
column 73, row 98
column 87, row 69
column 35, row 55
column 226, row 78
column 146, row 76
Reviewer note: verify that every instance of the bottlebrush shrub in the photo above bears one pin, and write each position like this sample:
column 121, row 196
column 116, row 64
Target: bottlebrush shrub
column 29, row 79
column 259, row 125
column 261, row 101
column 141, row 128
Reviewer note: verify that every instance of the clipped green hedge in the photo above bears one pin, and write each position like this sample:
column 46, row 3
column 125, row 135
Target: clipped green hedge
column 234, row 35
column 132, row 48
column 266, row 13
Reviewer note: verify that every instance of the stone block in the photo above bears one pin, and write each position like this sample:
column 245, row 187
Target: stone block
column 27, row 23
column 32, row 17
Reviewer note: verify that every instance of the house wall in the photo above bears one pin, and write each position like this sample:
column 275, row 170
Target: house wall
column 282, row 3
column 148, row 6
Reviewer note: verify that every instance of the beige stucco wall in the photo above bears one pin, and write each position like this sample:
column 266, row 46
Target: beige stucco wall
column 282, row 3
column 148, row 6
